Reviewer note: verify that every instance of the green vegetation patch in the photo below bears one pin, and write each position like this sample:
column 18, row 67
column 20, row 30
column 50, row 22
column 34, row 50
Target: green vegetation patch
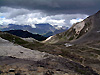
column 71, row 38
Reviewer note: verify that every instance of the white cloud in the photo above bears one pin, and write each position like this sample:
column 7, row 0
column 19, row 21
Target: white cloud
column 27, row 17
column 76, row 20
column 4, row 21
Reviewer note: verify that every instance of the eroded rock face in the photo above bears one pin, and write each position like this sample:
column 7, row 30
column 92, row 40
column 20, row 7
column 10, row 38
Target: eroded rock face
column 79, row 27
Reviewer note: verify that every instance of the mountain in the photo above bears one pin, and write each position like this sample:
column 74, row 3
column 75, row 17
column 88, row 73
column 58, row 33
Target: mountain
column 43, row 28
column 26, row 34
column 40, row 28
column 48, row 34
column 81, row 32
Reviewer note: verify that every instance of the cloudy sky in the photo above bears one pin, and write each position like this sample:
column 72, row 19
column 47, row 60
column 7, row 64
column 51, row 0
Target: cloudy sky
column 55, row 12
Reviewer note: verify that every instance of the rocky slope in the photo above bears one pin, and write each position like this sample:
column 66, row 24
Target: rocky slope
column 87, row 30
column 17, row 60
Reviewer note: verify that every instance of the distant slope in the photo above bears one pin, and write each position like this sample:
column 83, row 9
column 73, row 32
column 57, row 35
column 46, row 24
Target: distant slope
column 55, row 32
column 87, row 30
column 26, row 34
column 43, row 28
column 32, row 40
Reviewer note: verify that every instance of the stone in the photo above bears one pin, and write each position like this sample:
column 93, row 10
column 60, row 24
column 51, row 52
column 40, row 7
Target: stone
column 17, row 74
column 66, row 74
column 1, row 72
column 49, row 72
column 12, row 70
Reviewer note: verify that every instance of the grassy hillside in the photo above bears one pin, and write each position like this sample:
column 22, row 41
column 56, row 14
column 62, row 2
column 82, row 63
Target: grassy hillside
column 17, row 40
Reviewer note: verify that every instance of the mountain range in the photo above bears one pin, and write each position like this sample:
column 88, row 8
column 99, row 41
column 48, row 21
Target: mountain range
column 43, row 29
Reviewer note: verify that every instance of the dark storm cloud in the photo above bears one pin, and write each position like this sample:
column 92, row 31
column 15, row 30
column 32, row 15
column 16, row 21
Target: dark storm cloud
column 13, row 12
column 56, row 6
column 54, row 12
